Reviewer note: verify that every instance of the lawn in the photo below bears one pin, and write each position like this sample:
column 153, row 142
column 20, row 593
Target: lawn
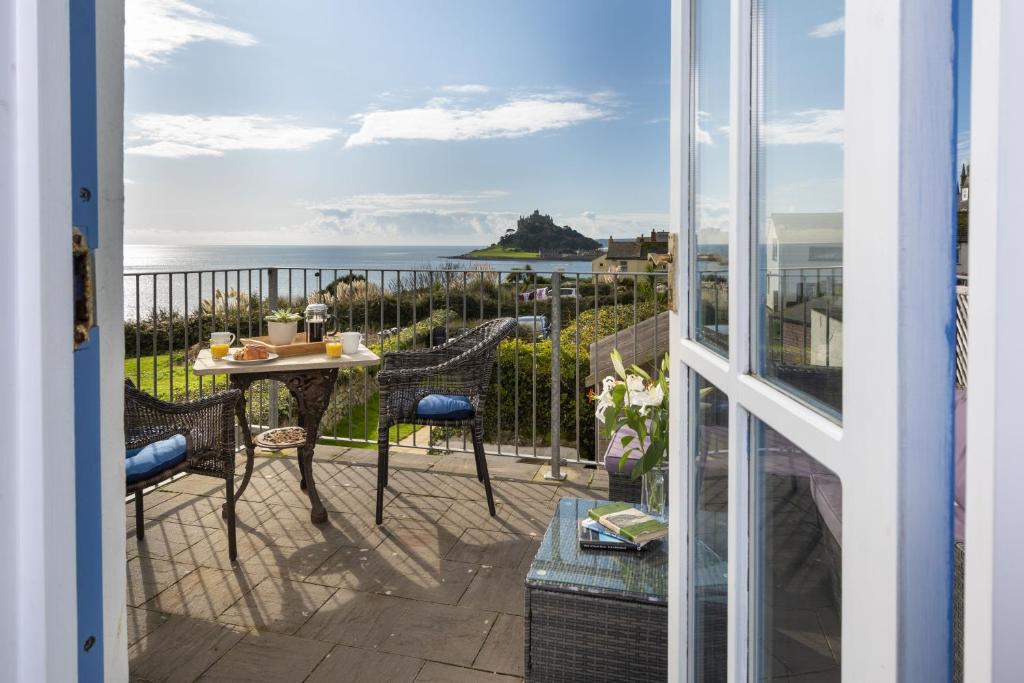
column 503, row 252
column 362, row 418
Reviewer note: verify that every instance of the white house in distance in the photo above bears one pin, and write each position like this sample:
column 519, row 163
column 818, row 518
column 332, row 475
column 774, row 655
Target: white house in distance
column 802, row 250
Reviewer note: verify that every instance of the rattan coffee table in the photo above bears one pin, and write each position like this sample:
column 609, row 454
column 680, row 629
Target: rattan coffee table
column 595, row 615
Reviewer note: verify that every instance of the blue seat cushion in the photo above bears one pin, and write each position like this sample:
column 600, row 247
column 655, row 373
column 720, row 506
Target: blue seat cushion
column 444, row 407
column 143, row 463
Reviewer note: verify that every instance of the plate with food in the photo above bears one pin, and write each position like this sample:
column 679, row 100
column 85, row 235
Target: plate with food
column 251, row 354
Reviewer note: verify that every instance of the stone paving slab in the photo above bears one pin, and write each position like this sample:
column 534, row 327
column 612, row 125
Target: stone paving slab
column 354, row 665
column 181, row 650
column 503, row 650
column 280, row 606
column 270, row 657
column 401, row 626
column 497, row 589
column 434, row 594
column 432, row 672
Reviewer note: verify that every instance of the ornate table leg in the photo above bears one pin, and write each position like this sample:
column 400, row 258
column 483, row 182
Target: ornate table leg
column 241, row 382
column 312, row 392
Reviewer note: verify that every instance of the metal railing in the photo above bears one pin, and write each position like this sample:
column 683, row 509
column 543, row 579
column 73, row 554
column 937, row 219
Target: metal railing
column 540, row 405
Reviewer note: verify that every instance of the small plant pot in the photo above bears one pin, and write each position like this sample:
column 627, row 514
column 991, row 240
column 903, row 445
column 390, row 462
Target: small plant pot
column 282, row 334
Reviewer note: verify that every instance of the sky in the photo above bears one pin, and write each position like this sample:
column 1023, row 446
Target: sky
column 376, row 121
column 799, row 122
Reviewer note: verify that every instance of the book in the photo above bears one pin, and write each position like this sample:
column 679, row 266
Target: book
column 593, row 535
column 625, row 520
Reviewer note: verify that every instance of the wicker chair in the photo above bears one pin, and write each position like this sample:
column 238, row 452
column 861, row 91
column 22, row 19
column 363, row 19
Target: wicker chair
column 458, row 371
column 208, row 425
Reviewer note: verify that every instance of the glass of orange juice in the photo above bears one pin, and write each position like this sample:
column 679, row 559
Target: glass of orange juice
column 333, row 347
column 219, row 343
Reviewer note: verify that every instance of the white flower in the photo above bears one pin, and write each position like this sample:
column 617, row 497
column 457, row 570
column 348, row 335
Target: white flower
column 608, row 384
column 635, row 383
column 603, row 403
column 648, row 398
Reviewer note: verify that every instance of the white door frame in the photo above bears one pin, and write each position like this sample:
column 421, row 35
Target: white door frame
column 898, row 376
column 994, row 596
column 38, row 639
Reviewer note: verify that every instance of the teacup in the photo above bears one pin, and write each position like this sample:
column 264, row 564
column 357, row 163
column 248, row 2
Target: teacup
column 350, row 341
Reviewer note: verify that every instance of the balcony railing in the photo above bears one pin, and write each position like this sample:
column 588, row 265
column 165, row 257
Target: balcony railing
column 169, row 316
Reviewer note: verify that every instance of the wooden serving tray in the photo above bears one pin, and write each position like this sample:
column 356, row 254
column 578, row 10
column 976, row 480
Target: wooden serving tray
column 299, row 347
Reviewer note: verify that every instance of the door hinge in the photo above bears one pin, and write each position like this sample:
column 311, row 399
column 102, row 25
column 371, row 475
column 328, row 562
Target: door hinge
column 84, row 287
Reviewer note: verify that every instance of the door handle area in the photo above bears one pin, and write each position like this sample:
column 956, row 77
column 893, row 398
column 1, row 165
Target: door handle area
column 84, row 287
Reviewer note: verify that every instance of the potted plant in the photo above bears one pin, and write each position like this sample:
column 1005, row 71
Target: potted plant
column 639, row 402
column 283, row 325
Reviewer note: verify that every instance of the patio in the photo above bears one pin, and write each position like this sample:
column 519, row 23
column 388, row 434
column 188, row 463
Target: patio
column 434, row 594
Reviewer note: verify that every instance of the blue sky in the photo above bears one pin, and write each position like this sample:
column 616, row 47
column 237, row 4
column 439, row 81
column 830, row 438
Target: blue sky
column 366, row 122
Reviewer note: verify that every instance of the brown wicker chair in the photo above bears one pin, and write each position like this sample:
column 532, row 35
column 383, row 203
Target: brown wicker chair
column 208, row 425
column 460, row 368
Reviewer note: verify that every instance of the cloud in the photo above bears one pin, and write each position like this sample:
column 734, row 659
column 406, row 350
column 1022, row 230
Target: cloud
column 700, row 133
column 155, row 29
column 466, row 89
column 624, row 225
column 459, row 218
column 410, row 218
column 829, row 28
column 177, row 136
column 440, row 120
column 810, row 126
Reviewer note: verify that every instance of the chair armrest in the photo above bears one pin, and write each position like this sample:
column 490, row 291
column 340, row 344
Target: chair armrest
column 415, row 358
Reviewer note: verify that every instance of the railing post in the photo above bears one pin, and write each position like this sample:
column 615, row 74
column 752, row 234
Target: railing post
column 272, row 385
column 555, row 471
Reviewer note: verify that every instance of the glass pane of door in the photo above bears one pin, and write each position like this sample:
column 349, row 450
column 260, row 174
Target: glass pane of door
column 798, row 56
column 709, row 162
column 795, row 562
column 710, row 558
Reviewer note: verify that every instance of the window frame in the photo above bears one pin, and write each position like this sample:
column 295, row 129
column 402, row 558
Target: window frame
column 898, row 181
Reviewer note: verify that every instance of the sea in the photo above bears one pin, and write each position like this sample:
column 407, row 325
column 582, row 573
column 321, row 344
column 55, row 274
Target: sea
column 180, row 276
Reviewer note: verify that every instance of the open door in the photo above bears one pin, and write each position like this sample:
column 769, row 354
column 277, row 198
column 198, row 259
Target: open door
column 812, row 454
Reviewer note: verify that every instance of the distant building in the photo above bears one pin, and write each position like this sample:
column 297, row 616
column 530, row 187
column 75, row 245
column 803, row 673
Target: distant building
column 630, row 256
column 963, row 206
column 802, row 250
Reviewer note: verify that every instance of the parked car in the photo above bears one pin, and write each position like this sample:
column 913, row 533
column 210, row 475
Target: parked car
column 537, row 326
column 568, row 292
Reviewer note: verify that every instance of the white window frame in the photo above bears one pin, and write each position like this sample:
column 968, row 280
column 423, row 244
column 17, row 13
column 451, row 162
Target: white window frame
column 994, row 598
column 898, row 377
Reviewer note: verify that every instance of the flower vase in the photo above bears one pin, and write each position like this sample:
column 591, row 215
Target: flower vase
column 654, row 493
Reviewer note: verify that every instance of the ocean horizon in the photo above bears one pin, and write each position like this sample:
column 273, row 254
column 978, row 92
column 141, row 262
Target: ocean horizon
column 155, row 273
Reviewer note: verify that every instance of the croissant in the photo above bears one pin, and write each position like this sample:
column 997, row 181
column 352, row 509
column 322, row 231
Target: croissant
column 252, row 352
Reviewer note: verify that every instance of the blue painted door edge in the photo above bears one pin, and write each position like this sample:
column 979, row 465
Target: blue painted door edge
column 85, row 216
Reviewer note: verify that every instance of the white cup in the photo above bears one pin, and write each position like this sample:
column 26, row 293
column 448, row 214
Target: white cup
column 222, row 338
column 350, row 341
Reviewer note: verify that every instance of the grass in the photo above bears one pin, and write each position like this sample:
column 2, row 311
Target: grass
column 162, row 389
column 494, row 251
column 362, row 417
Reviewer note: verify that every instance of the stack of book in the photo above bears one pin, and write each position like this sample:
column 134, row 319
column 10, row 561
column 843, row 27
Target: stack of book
column 620, row 526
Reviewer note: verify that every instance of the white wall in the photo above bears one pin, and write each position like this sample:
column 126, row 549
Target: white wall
column 38, row 640
column 109, row 299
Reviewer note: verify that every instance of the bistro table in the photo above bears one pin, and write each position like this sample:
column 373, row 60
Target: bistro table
column 310, row 379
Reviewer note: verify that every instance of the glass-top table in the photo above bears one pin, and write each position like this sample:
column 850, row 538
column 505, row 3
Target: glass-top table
column 560, row 563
